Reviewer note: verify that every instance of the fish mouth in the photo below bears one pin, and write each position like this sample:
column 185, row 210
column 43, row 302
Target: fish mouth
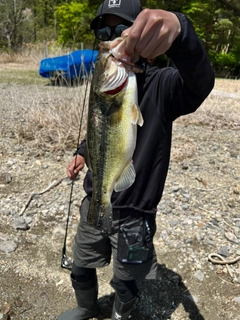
column 116, row 77
column 116, row 90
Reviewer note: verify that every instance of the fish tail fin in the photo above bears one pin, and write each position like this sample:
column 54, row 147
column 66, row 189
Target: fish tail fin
column 100, row 216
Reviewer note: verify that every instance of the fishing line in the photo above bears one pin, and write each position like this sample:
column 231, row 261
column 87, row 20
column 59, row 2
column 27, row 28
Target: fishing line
column 66, row 262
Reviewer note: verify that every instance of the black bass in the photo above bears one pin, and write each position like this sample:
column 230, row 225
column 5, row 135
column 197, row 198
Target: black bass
column 113, row 117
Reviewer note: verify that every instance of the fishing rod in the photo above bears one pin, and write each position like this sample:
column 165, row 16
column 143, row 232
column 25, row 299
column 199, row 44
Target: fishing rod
column 66, row 262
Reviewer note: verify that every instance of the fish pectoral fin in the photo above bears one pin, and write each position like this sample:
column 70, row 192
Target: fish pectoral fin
column 126, row 179
column 137, row 117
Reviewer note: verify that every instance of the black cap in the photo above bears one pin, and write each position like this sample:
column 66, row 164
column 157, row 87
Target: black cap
column 126, row 9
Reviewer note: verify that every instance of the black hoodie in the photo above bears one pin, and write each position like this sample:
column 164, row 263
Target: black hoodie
column 164, row 95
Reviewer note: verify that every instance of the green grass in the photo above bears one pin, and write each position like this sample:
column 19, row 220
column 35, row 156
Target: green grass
column 22, row 77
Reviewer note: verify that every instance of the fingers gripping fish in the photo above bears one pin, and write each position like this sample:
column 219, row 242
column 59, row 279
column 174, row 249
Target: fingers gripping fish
column 113, row 117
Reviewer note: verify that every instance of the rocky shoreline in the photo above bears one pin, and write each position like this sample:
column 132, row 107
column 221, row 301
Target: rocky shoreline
column 199, row 215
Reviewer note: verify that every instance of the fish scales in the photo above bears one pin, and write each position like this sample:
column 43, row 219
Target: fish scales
column 111, row 134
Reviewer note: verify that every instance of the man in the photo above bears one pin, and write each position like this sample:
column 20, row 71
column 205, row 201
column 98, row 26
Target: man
column 164, row 95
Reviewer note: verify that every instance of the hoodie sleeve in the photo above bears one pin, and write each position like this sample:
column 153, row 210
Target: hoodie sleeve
column 80, row 150
column 193, row 78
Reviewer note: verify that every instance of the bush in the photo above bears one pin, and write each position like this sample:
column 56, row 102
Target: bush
column 227, row 64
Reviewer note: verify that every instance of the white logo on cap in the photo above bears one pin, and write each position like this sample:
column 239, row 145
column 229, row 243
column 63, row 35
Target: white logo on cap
column 114, row 3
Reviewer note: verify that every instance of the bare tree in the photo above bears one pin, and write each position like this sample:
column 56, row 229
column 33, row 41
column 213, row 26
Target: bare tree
column 11, row 18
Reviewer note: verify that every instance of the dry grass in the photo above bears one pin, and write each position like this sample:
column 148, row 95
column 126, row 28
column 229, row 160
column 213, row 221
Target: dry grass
column 217, row 112
column 53, row 122
column 49, row 117
column 33, row 53
column 45, row 118
column 220, row 111
column 37, row 114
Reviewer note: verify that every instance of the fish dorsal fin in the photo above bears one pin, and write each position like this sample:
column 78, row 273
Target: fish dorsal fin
column 137, row 117
column 126, row 179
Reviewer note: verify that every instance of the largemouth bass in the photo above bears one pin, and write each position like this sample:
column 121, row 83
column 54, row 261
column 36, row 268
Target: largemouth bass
column 113, row 117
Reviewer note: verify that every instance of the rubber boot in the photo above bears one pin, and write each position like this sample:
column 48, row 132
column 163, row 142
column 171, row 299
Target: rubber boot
column 121, row 311
column 86, row 296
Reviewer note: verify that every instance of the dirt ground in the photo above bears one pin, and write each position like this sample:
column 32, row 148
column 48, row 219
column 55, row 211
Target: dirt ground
column 34, row 286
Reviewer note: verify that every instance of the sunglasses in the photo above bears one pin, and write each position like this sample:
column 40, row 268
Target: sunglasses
column 106, row 33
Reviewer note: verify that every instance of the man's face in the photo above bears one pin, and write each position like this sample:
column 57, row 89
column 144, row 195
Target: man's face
column 111, row 27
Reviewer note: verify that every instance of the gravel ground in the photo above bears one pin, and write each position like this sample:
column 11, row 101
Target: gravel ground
column 199, row 215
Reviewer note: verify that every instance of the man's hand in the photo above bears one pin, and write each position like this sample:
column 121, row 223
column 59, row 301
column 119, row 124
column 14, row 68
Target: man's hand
column 75, row 166
column 152, row 34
